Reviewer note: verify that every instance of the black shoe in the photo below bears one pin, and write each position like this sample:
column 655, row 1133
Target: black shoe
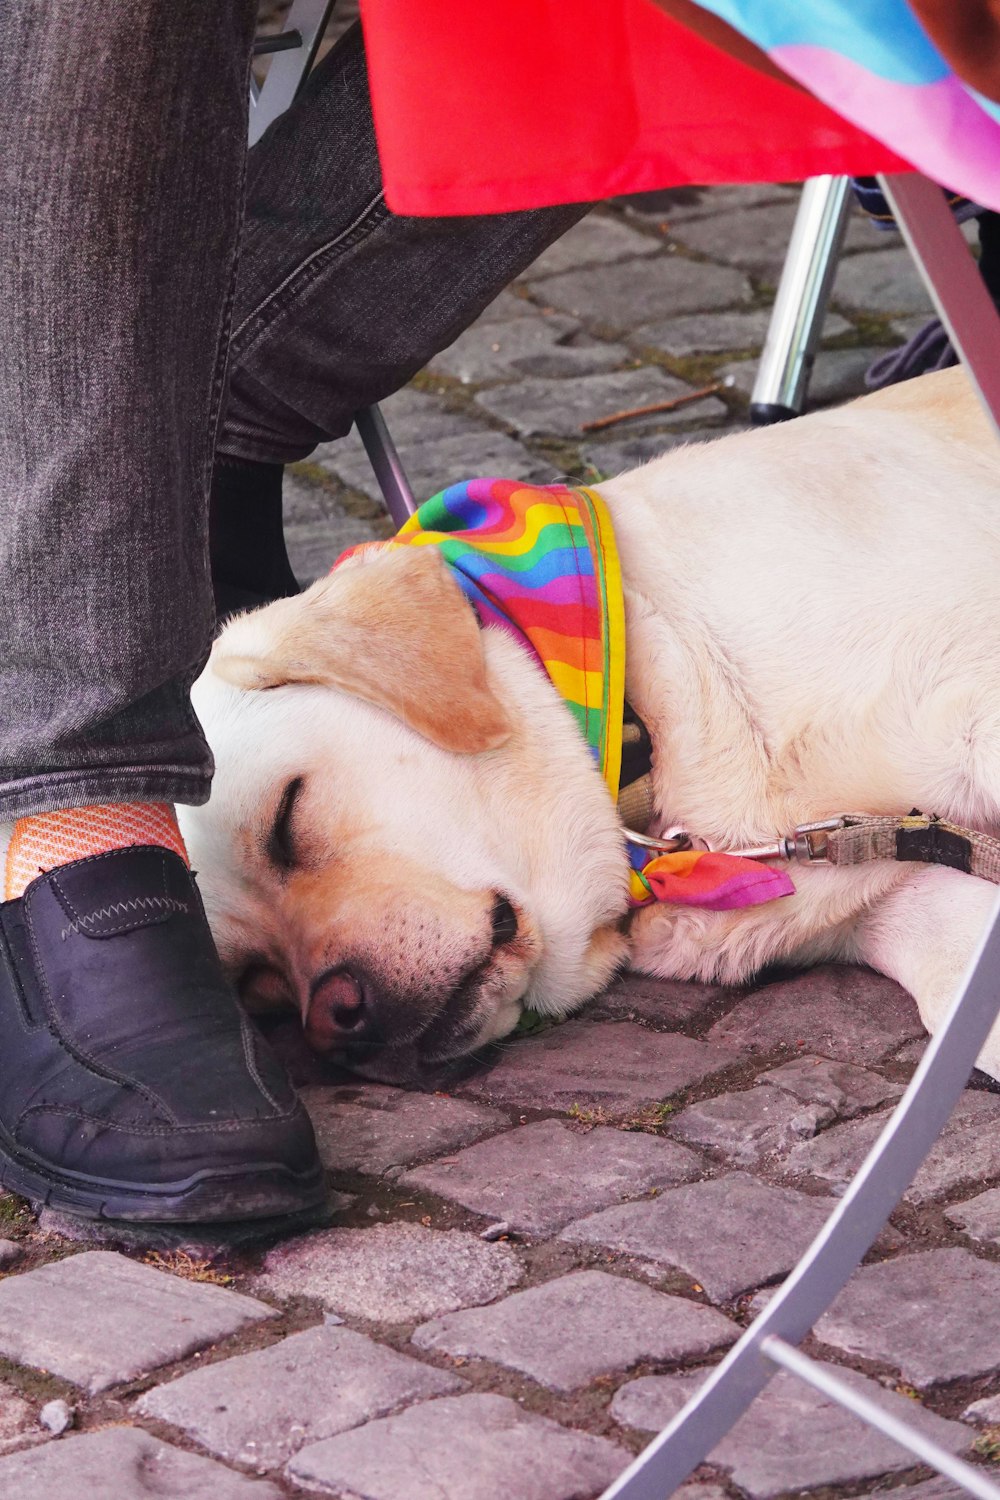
column 132, row 1086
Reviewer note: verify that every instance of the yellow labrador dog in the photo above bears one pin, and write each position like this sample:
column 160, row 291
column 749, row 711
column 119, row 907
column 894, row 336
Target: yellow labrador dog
column 408, row 839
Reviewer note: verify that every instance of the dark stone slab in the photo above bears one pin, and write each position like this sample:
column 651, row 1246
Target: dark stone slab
column 616, row 1066
column 98, row 1319
column 729, row 1236
column 792, row 1438
column 391, row 1273
column 461, row 1448
column 567, row 1332
column 838, row 1011
column 123, row 1463
column 260, row 1408
column 540, row 1176
column 935, row 1316
column 371, row 1127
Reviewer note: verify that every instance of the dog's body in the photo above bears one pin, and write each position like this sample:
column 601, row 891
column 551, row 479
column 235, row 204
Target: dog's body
column 812, row 628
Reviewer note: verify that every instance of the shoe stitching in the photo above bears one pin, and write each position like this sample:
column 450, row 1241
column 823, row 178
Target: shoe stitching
column 27, row 1020
column 247, row 1034
column 55, row 876
column 78, row 1055
column 222, row 1127
column 137, row 904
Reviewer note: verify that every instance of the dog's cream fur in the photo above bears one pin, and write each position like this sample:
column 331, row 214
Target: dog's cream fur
column 812, row 627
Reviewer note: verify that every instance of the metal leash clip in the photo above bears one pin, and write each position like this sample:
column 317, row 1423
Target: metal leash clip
column 806, row 844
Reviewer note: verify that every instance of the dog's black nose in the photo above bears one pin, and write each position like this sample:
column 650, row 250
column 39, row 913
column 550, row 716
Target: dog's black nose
column 339, row 1009
column 504, row 922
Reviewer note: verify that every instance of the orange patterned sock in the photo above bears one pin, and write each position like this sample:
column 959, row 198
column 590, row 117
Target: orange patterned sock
column 41, row 842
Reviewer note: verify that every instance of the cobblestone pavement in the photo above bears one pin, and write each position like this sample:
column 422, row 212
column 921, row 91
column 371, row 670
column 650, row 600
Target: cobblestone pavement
column 520, row 1277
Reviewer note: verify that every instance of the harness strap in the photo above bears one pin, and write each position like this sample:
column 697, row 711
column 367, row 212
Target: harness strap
column 925, row 840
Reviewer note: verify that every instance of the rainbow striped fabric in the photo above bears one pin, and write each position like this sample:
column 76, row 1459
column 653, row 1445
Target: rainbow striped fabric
column 540, row 562
column 872, row 62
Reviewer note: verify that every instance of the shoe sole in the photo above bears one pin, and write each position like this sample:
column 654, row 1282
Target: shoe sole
column 269, row 1190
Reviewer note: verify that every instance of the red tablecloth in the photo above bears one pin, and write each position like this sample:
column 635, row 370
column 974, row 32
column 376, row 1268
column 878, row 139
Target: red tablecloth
column 482, row 106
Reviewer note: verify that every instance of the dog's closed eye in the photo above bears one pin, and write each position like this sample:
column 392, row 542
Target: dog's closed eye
column 281, row 839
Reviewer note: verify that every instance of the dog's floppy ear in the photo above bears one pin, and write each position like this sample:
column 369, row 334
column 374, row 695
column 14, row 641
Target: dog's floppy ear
column 391, row 628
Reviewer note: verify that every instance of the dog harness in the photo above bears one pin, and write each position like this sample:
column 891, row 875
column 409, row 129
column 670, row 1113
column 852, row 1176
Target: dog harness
column 540, row 562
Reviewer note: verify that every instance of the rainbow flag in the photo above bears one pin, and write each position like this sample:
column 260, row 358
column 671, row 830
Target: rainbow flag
column 872, row 62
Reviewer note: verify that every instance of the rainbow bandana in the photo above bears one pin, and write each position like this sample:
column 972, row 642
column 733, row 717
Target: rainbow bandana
column 540, row 562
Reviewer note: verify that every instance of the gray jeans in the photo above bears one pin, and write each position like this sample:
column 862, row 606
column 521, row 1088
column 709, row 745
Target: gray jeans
column 131, row 346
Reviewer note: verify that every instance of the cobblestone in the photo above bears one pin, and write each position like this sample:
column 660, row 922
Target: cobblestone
column 391, row 1273
column 10, row 1254
column 524, row 346
column 371, row 1128
column 18, row 1419
column 885, row 279
column 968, row 1151
column 98, row 1319
column 847, row 1090
column 539, row 1177
column 595, row 241
column 563, row 407
column 258, row 1409
column 752, row 1125
column 616, row 1066
column 729, row 1236
column 461, row 1448
column 664, row 1002
column 755, row 237
column 124, row 1463
column 838, row 374
column 978, row 1217
column 849, row 1014
column 985, row 1413
column 793, row 1438
column 614, row 1324
column 628, row 295
column 934, row 1316
column 455, row 455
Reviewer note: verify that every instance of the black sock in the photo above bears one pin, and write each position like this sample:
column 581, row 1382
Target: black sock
column 246, row 536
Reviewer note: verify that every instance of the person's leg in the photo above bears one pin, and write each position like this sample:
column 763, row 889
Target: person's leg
column 339, row 302
column 129, row 1083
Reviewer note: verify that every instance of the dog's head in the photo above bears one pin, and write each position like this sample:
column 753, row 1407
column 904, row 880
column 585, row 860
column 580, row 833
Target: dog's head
column 407, row 838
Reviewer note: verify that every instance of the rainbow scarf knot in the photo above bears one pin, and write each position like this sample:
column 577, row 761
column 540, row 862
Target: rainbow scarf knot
column 540, row 562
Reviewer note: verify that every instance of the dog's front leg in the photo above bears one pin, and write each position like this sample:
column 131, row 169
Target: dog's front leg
column 923, row 934
column 816, row 925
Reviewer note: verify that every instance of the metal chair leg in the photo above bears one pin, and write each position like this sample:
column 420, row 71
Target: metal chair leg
column 837, row 1249
column 289, row 67
column 386, row 463
column 960, row 298
column 796, row 324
